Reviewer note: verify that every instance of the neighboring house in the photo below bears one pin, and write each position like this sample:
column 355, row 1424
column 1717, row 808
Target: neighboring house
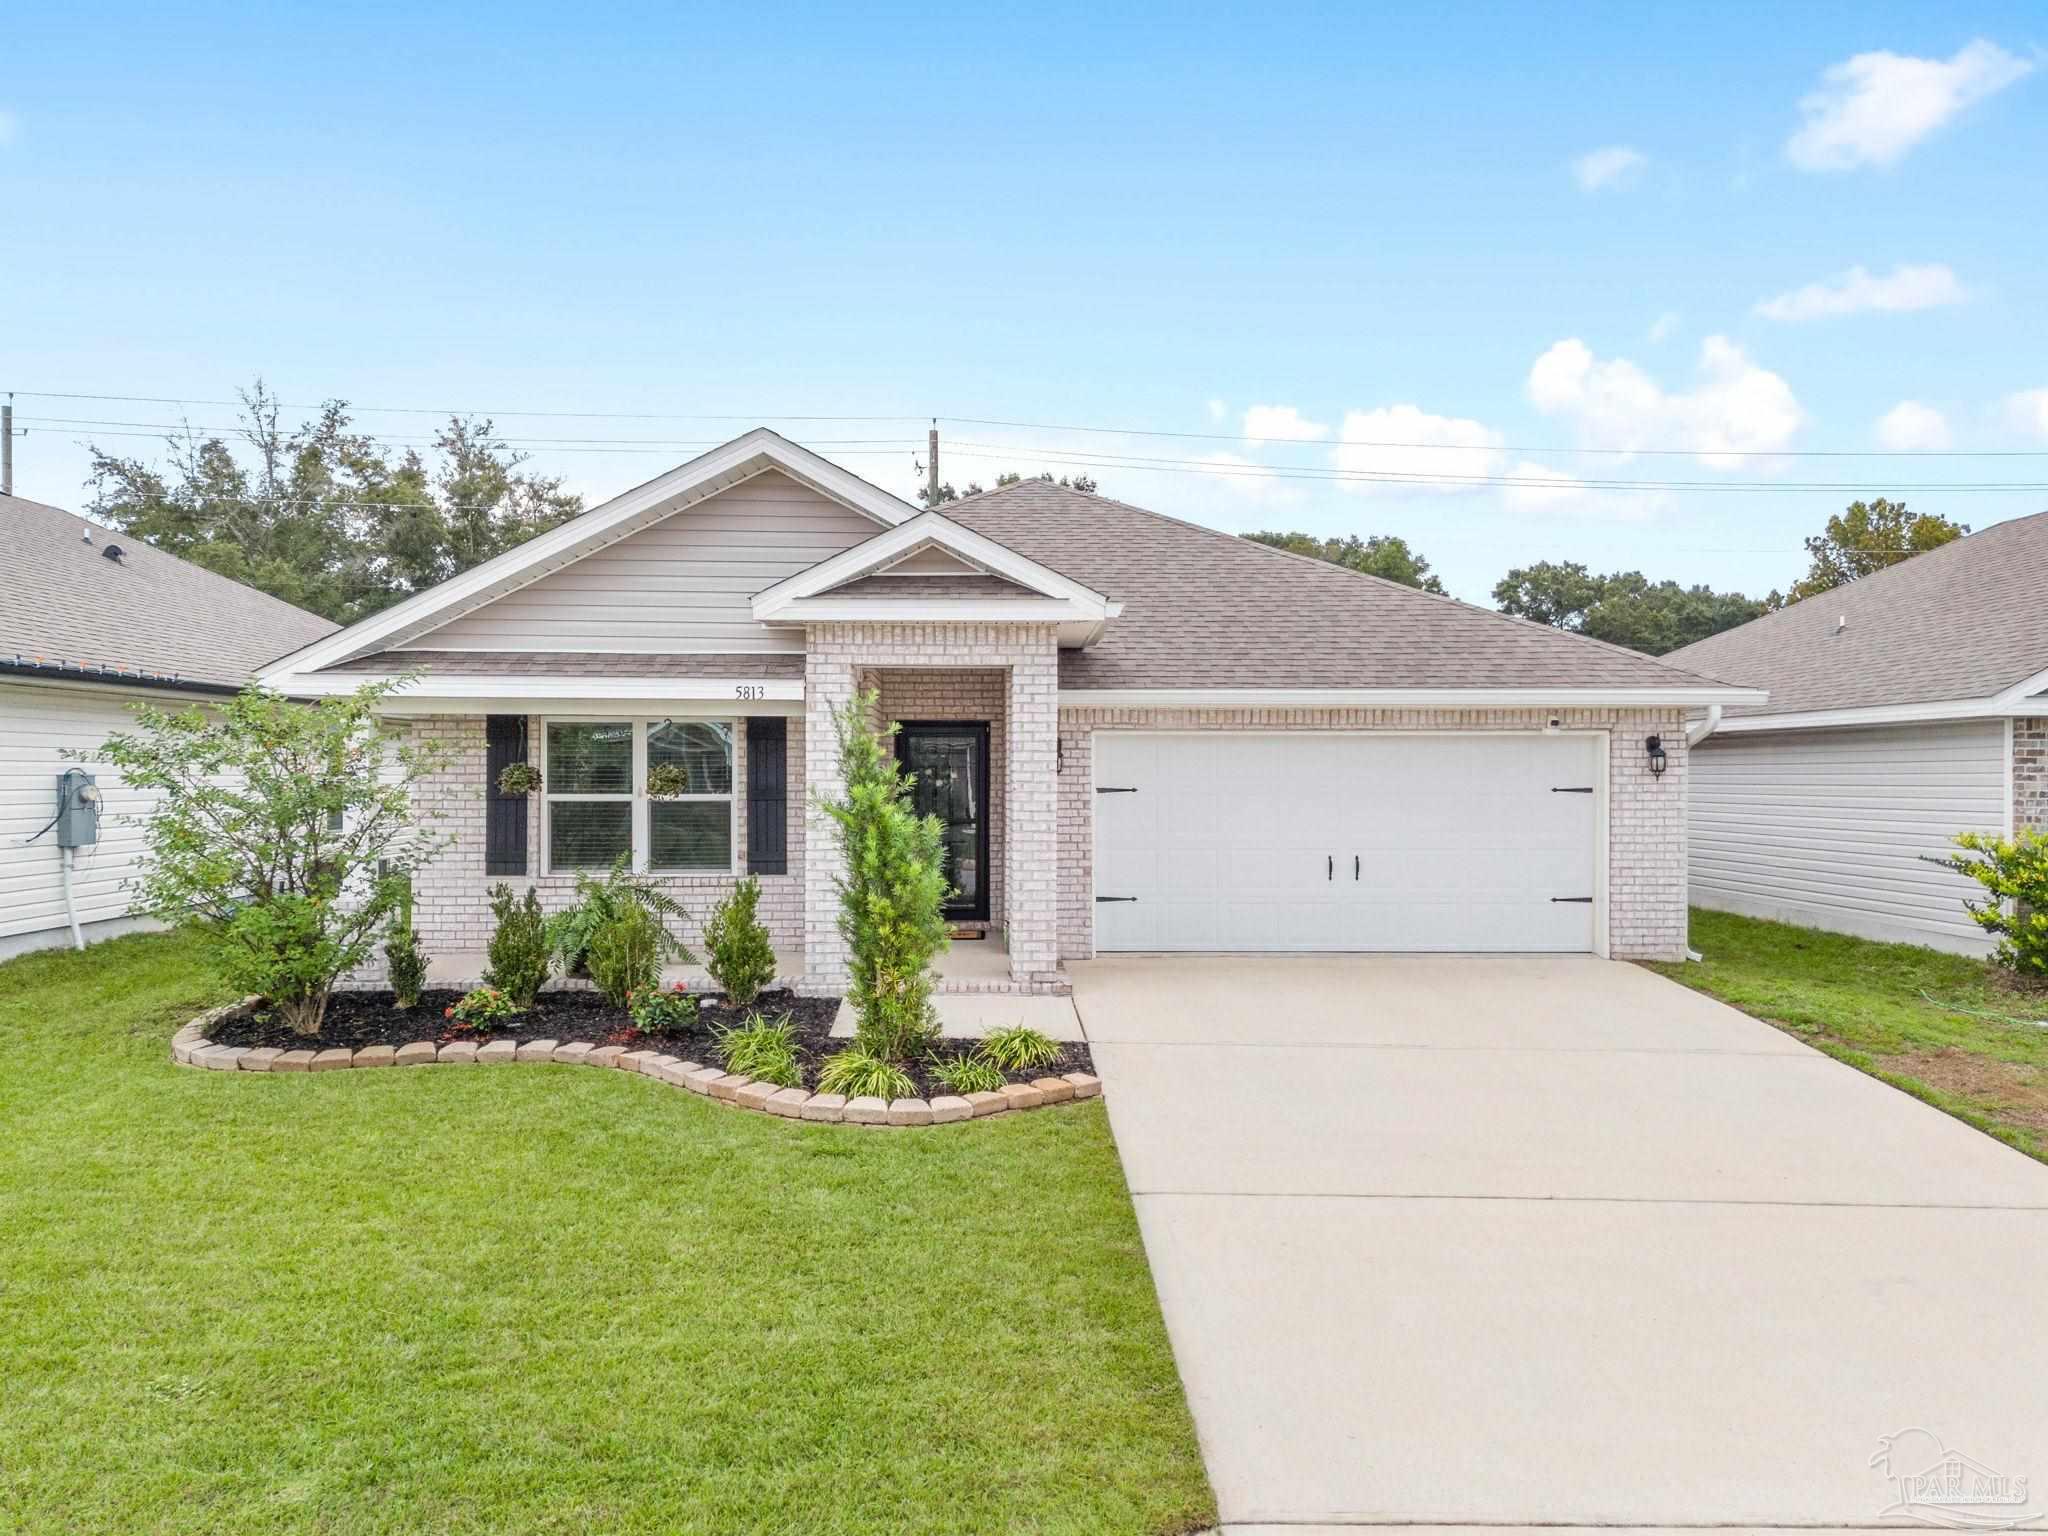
column 92, row 622
column 1904, row 708
column 1142, row 734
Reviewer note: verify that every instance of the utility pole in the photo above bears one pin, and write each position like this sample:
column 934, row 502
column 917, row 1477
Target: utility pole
column 7, row 446
column 932, row 466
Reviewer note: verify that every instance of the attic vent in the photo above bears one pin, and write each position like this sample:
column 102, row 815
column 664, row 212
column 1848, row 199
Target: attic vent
column 113, row 552
column 1841, row 623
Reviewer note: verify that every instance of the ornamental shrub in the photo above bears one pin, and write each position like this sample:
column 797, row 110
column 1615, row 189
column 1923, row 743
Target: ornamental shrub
column 517, row 961
column 736, row 947
column 966, row 1074
column 625, row 955
column 283, row 832
column 2014, row 873
column 763, row 1049
column 662, row 1012
column 407, row 961
column 481, row 1010
column 859, row 1073
column 891, row 891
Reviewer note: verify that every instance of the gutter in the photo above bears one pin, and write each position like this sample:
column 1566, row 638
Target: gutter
column 58, row 672
column 1695, row 734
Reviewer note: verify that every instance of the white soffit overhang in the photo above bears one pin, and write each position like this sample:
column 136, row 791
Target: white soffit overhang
column 706, row 475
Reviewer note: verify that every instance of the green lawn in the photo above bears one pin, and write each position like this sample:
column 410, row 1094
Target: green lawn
column 1948, row 1029
column 546, row 1299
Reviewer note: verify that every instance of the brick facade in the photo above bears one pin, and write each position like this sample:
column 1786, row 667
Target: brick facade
column 1646, row 838
column 1023, row 661
column 451, row 897
column 2030, row 773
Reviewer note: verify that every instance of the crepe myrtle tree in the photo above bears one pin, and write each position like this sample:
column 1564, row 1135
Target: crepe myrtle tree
column 282, row 831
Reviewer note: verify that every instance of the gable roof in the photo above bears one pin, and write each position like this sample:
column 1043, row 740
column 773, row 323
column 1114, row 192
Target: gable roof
column 1965, row 622
column 1208, row 610
column 147, row 617
column 746, row 456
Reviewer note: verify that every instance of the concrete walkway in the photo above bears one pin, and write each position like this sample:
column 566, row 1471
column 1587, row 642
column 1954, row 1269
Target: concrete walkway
column 1549, row 1240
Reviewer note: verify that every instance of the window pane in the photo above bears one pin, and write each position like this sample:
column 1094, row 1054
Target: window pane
column 588, row 834
column 590, row 758
column 701, row 748
column 690, row 834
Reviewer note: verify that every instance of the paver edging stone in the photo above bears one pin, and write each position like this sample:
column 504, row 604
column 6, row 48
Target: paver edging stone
column 190, row 1047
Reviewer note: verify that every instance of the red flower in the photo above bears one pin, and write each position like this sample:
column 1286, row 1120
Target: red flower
column 447, row 1013
column 680, row 987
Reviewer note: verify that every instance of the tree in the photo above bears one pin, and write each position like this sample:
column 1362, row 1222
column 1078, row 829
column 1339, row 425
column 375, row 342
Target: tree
column 321, row 515
column 1867, row 537
column 1385, row 555
column 947, row 493
column 282, row 831
column 1625, row 608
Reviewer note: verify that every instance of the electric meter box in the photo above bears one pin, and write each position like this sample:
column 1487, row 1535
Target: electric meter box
column 78, row 809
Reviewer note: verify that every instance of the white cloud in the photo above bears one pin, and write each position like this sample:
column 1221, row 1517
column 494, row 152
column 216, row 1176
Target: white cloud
column 1906, row 288
column 1282, row 423
column 1540, row 490
column 1910, row 427
column 1407, row 440
column 1615, row 166
column 1738, row 411
column 1872, row 108
column 1249, row 480
column 2028, row 411
column 1664, row 325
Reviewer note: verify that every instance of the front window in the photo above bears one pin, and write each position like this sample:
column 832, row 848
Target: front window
column 597, row 801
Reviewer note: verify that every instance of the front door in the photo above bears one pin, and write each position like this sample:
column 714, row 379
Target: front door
column 949, row 759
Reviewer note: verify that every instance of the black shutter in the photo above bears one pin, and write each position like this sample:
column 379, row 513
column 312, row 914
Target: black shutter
column 504, row 815
column 767, row 795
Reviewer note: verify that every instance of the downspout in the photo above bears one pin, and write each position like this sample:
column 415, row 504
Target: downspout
column 1695, row 734
column 70, row 899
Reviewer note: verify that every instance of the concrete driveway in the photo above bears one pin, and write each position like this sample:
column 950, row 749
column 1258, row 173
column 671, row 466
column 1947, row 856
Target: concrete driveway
column 1550, row 1240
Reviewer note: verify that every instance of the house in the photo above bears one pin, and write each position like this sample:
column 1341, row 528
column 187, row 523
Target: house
column 92, row 622
column 1904, row 708
column 1141, row 734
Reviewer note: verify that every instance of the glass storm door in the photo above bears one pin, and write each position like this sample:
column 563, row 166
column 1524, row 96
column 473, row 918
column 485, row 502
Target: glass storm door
column 950, row 761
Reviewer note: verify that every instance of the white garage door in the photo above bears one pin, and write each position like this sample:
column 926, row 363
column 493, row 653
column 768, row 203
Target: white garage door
column 1327, row 841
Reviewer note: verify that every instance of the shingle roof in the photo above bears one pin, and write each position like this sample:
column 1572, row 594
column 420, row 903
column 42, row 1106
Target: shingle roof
column 148, row 613
column 1204, row 609
column 1964, row 621
column 786, row 664
column 943, row 586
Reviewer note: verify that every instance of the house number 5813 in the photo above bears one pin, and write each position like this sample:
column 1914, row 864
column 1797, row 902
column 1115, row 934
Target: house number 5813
column 750, row 691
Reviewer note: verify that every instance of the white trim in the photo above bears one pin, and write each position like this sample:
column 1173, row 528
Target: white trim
column 2024, row 691
column 929, row 528
column 2012, row 803
column 1603, row 797
column 728, row 690
column 979, row 610
column 716, row 470
column 1403, row 698
column 1879, row 714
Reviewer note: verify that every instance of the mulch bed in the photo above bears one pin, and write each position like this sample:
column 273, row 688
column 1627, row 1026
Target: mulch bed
column 357, row 1019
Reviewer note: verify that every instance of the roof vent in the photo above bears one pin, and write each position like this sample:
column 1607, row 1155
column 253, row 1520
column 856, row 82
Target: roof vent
column 1841, row 623
column 85, row 533
column 113, row 552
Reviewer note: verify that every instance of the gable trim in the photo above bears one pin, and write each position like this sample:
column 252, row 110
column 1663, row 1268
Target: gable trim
column 929, row 528
column 719, row 469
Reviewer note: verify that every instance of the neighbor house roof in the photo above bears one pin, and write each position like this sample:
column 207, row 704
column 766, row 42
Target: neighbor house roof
column 69, row 607
column 1209, row 610
column 1965, row 622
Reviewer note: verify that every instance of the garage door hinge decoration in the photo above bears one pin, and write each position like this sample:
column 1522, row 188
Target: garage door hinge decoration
column 1574, row 900
column 1116, row 898
column 1116, row 789
column 1571, row 789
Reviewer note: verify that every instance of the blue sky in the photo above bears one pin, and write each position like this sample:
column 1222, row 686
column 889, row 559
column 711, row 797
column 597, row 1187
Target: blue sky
column 1507, row 234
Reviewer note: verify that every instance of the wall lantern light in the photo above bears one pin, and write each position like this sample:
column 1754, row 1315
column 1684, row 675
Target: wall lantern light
column 1654, row 745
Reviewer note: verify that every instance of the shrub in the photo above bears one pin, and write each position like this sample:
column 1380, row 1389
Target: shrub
column 282, row 831
column 736, row 947
column 966, row 1074
column 482, row 1010
column 859, row 1073
column 625, row 955
column 659, row 1012
column 2014, row 873
column 891, row 891
column 762, row 1049
column 408, row 963
column 598, row 901
column 517, row 962
column 1018, row 1049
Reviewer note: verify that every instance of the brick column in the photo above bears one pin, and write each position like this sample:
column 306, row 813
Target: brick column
column 829, row 685
column 1031, row 914
column 2030, row 774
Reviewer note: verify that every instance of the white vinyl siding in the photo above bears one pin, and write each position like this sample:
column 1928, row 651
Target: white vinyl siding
column 1833, row 829
column 37, row 724
column 684, row 584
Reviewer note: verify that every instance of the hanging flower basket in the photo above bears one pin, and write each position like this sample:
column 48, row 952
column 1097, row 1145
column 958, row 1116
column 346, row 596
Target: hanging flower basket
column 519, row 779
column 667, row 780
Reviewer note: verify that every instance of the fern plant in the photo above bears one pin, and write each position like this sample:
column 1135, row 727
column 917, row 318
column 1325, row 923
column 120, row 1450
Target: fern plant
column 599, row 900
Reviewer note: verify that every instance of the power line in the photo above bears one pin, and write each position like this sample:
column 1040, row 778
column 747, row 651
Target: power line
column 423, row 410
